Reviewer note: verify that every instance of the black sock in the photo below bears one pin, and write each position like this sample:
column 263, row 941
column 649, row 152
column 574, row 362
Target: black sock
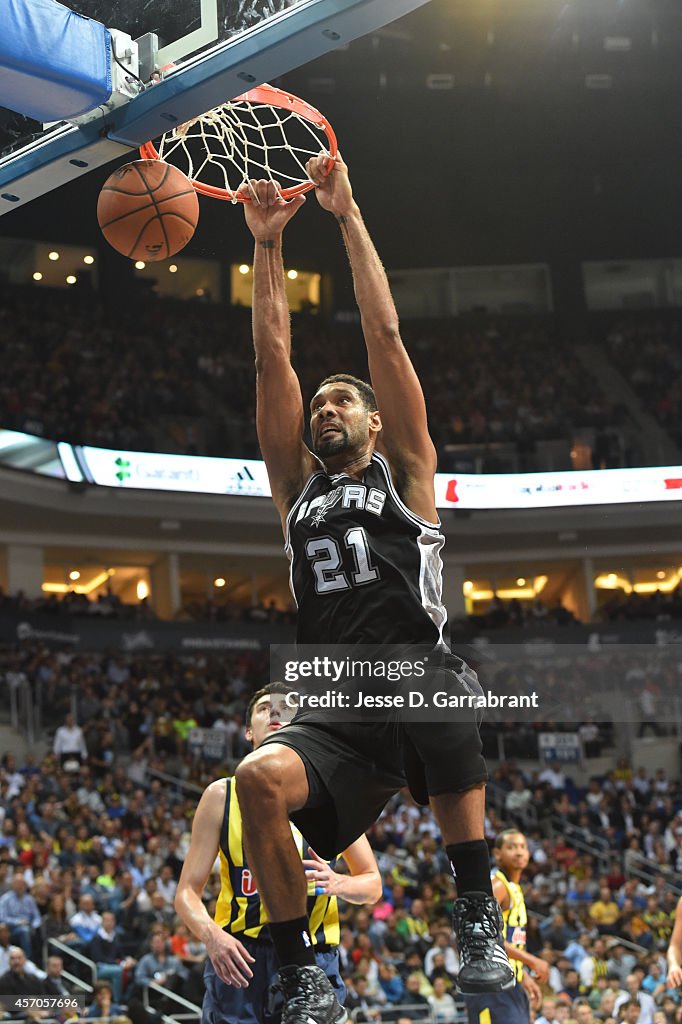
column 471, row 866
column 291, row 940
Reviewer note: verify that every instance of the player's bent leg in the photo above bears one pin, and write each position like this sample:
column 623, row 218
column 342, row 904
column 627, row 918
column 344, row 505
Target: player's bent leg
column 454, row 775
column 272, row 782
column 477, row 919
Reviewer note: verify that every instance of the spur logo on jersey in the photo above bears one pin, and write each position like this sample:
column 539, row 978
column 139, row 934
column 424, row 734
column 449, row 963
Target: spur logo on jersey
column 348, row 496
column 326, row 502
column 248, row 885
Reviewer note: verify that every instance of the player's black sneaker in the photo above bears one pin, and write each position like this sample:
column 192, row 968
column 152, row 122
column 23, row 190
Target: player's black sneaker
column 309, row 997
column 485, row 967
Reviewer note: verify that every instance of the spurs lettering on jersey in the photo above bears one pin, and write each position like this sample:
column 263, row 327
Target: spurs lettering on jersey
column 355, row 496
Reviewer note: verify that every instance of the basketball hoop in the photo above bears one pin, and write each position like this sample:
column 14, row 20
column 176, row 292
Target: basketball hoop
column 264, row 133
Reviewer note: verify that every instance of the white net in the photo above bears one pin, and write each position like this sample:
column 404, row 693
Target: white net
column 240, row 140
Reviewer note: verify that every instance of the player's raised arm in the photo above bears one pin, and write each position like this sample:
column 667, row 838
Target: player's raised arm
column 399, row 394
column 279, row 405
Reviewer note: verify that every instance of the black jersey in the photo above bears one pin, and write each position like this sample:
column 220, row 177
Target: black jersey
column 364, row 568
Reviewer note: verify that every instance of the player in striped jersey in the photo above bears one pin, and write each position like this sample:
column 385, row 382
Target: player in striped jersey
column 674, row 954
column 241, row 965
column 513, row 1005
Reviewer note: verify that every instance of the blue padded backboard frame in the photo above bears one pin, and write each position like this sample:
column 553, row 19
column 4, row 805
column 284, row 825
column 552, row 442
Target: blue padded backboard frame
column 286, row 41
column 54, row 63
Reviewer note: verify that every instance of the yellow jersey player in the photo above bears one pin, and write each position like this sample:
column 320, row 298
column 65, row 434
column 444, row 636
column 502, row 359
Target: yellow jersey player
column 241, row 965
column 675, row 950
column 513, row 1005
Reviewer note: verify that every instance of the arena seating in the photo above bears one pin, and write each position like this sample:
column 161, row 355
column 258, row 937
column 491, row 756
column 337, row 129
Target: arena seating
column 521, row 404
column 602, row 885
column 647, row 352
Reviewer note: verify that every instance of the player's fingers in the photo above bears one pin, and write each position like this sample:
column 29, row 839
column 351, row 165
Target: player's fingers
column 238, row 974
column 314, row 171
column 261, row 192
column 222, row 972
column 245, row 953
column 315, row 856
column 241, row 976
column 253, row 191
column 310, row 167
column 275, row 194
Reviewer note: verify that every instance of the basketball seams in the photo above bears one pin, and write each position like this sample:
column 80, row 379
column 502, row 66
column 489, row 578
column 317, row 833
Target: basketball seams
column 139, row 236
column 146, row 184
column 139, row 209
column 125, row 192
column 150, row 193
column 179, row 216
column 147, row 224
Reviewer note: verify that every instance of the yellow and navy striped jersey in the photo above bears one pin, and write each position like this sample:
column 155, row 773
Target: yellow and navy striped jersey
column 515, row 919
column 239, row 909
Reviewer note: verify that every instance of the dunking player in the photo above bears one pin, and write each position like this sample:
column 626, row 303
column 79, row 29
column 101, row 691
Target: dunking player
column 364, row 541
column 241, row 966
column 512, row 1006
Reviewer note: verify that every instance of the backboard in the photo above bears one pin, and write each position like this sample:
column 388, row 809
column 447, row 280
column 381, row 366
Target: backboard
column 209, row 52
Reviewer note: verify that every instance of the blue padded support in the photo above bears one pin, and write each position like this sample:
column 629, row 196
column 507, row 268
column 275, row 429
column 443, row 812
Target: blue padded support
column 54, row 63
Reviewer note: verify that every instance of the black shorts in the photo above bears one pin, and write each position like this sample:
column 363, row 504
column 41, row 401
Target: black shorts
column 354, row 768
column 510, row 1007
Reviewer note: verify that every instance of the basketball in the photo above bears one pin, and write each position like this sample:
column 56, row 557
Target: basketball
column 148, row 210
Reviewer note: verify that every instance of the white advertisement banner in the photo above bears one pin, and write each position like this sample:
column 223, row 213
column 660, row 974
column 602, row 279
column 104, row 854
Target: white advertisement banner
column 546, row 490
column 204, row 475
column 196, row 473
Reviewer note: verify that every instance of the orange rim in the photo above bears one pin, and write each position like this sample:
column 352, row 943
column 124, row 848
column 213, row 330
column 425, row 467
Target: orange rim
column 265, row 94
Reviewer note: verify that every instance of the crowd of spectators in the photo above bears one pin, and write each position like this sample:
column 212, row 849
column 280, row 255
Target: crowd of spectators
column 93, row 836
column 108, row 605
column 515, row 614
column 92, row 858
column 660, row 606
column 498, row 614
column 505, row 382
column 147, row 381
column 649, row 355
